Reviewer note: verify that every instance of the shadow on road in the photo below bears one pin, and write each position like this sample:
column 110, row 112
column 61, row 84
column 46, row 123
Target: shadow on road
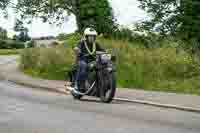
column 96, row 100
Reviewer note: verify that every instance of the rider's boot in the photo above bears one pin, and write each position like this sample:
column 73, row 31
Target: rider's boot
column 76, row 86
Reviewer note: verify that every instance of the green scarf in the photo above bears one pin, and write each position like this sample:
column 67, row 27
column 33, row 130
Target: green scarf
column 93, row 48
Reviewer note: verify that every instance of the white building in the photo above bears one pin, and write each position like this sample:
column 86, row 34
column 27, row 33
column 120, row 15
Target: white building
column 46, row 42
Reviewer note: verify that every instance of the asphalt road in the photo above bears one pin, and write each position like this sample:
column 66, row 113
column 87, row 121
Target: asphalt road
column 6, row 59
column 25, row 110
column 28, row 110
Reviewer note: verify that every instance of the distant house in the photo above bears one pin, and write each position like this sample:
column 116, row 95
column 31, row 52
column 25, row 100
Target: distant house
column 46, row 42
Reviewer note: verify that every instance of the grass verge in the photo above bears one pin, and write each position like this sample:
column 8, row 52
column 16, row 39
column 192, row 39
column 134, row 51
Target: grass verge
column 10, row 51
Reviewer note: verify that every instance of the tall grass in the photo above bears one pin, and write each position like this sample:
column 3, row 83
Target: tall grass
column 51, row 63
column 160, row 69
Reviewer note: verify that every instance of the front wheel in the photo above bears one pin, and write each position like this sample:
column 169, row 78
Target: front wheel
column 76, row 96
column 108, row 87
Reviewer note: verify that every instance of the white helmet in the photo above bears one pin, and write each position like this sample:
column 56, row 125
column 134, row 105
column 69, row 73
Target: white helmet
column 90, row 31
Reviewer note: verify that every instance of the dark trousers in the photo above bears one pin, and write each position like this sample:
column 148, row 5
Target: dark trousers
column 81, row 74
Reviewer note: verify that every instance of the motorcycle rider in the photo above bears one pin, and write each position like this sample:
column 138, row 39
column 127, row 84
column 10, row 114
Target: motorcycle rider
column 87, row 46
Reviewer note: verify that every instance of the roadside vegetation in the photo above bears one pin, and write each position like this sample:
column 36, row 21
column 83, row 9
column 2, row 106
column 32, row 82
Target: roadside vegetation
column 164, row 68
column 10, row 47
column 10, row 51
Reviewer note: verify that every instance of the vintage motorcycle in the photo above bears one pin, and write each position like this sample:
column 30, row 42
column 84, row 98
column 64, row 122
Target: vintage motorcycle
column 100, row 82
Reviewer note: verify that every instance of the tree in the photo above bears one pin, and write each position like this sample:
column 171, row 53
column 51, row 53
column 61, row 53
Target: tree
column 19, row 26
column 95, row 13
column 164, row 15
column 180, row 17
column 3, row 33
column 23, row 35
column 23, row 31
column 61, row 36
column 4, row 4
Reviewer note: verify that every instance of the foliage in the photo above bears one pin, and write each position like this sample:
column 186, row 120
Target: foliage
column 95, row 13
column 149, row 39
column 160, row 69
column 23, row 36
column 123, row 34
column 173, row 16
column 3, row 33
column 164, row 15
column 23, row 31
column 18, row 26
column 11, row 44
column 72, row 39
column 61, row 36
column 4, row 4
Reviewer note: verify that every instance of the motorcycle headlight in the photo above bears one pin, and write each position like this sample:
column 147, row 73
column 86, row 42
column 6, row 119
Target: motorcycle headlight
column 106, row 57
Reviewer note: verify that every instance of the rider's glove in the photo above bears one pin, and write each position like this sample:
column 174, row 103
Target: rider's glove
column 77, row 50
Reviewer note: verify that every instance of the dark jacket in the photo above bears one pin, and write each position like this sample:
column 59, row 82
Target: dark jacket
column 83, row 51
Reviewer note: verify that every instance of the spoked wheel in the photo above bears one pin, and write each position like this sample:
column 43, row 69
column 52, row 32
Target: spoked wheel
column 85, row 89
column 108, row 88
column 72, row 80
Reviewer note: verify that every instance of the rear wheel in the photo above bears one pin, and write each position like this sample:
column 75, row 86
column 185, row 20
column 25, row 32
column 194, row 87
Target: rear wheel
column 108, row 87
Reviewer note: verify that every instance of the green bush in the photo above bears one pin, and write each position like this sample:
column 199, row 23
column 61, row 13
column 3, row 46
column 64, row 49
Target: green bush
column 123, row 34
column 10, row 44
column 70, row 39
column 153, row 40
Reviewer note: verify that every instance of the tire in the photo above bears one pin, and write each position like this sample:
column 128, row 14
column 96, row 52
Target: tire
column 76, row 96
column 112, row 83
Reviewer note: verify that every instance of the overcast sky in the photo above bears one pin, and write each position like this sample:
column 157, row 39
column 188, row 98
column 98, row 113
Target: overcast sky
column 126, row 12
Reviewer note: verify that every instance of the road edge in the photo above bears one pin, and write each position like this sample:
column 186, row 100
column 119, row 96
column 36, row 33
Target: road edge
column 38, row 86
column 145, row 102
column 155, row 104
